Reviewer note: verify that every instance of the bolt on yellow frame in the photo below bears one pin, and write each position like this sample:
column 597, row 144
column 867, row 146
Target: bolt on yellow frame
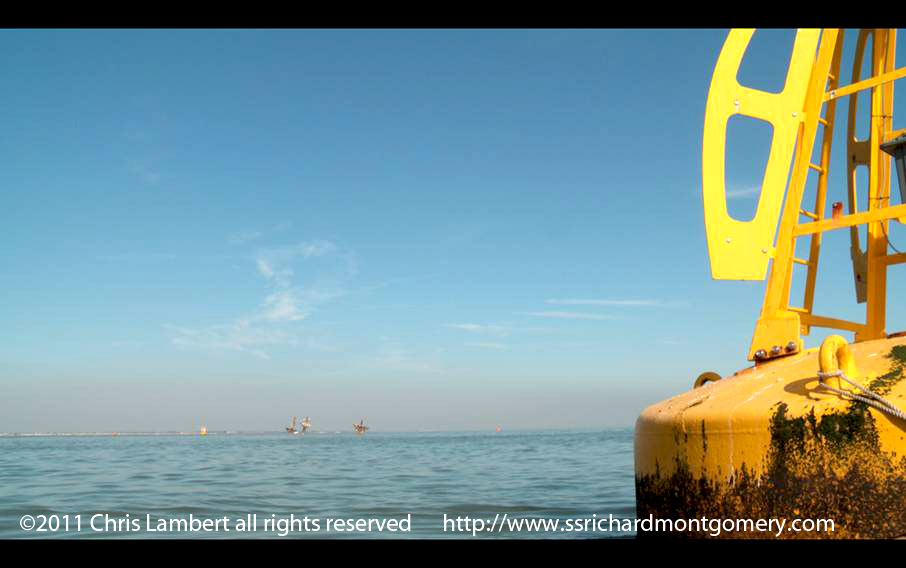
column 741, row 250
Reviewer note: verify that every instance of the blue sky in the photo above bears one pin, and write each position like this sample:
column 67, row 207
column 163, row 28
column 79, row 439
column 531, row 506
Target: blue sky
column 426, row 229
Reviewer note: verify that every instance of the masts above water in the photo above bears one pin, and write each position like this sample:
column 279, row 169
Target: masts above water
column 304, row 426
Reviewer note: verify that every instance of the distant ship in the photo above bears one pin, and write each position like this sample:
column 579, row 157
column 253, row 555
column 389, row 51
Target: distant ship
column 204, row 431
column 306, row 424
column 291, row 429
column 360, row 428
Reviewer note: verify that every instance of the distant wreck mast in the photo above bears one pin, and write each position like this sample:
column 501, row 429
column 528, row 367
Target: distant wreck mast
column 304, row 426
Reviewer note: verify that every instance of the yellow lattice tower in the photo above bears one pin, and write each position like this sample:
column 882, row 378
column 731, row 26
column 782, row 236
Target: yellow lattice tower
column 741, row 250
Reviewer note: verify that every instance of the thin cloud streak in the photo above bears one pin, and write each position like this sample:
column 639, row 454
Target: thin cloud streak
column 493, row 329
column 483, row 345
column 275, row 263
column 597, row 302
column 571, row 315
column 481, row 328
column 744, row 193
column 241, row 335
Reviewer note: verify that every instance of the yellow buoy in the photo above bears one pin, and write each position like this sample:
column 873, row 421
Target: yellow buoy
column 804, row 433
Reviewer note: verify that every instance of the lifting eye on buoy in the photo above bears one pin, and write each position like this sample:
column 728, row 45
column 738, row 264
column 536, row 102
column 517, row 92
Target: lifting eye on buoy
column 706, row 377
column 836, row 363
column 834, row 356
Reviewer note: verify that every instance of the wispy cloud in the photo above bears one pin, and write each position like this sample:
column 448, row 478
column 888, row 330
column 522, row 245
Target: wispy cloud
column 481, row 328
column 283, row 305
column 245, row 335
column 286, row 303
column 294, row 304
column 150, row 257
column 493, row 329
column 241, row 335
column 617, row 303
column 571, row 315
column 744, row 193
column 485, row 345
column 276, row 264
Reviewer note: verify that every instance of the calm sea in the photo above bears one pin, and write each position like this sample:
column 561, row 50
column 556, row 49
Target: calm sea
column 566, row 475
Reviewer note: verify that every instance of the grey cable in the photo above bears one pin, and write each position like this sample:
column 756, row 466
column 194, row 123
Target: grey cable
column 873, row 398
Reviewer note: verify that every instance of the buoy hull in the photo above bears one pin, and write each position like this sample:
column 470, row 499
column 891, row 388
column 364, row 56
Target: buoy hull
column 769, row 443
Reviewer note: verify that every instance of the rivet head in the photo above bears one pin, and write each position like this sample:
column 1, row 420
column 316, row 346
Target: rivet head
column 765, row 251
column 775, row 350
column 795, row 114
column 729, row 240
column 791, row 346
column 760, row 354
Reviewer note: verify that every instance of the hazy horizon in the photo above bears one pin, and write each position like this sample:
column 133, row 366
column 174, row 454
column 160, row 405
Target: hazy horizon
column 310, row 432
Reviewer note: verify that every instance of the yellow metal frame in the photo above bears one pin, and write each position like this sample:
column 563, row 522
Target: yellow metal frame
column 741, row 250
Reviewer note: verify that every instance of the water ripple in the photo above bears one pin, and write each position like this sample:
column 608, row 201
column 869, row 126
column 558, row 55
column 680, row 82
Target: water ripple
column 553, row 474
